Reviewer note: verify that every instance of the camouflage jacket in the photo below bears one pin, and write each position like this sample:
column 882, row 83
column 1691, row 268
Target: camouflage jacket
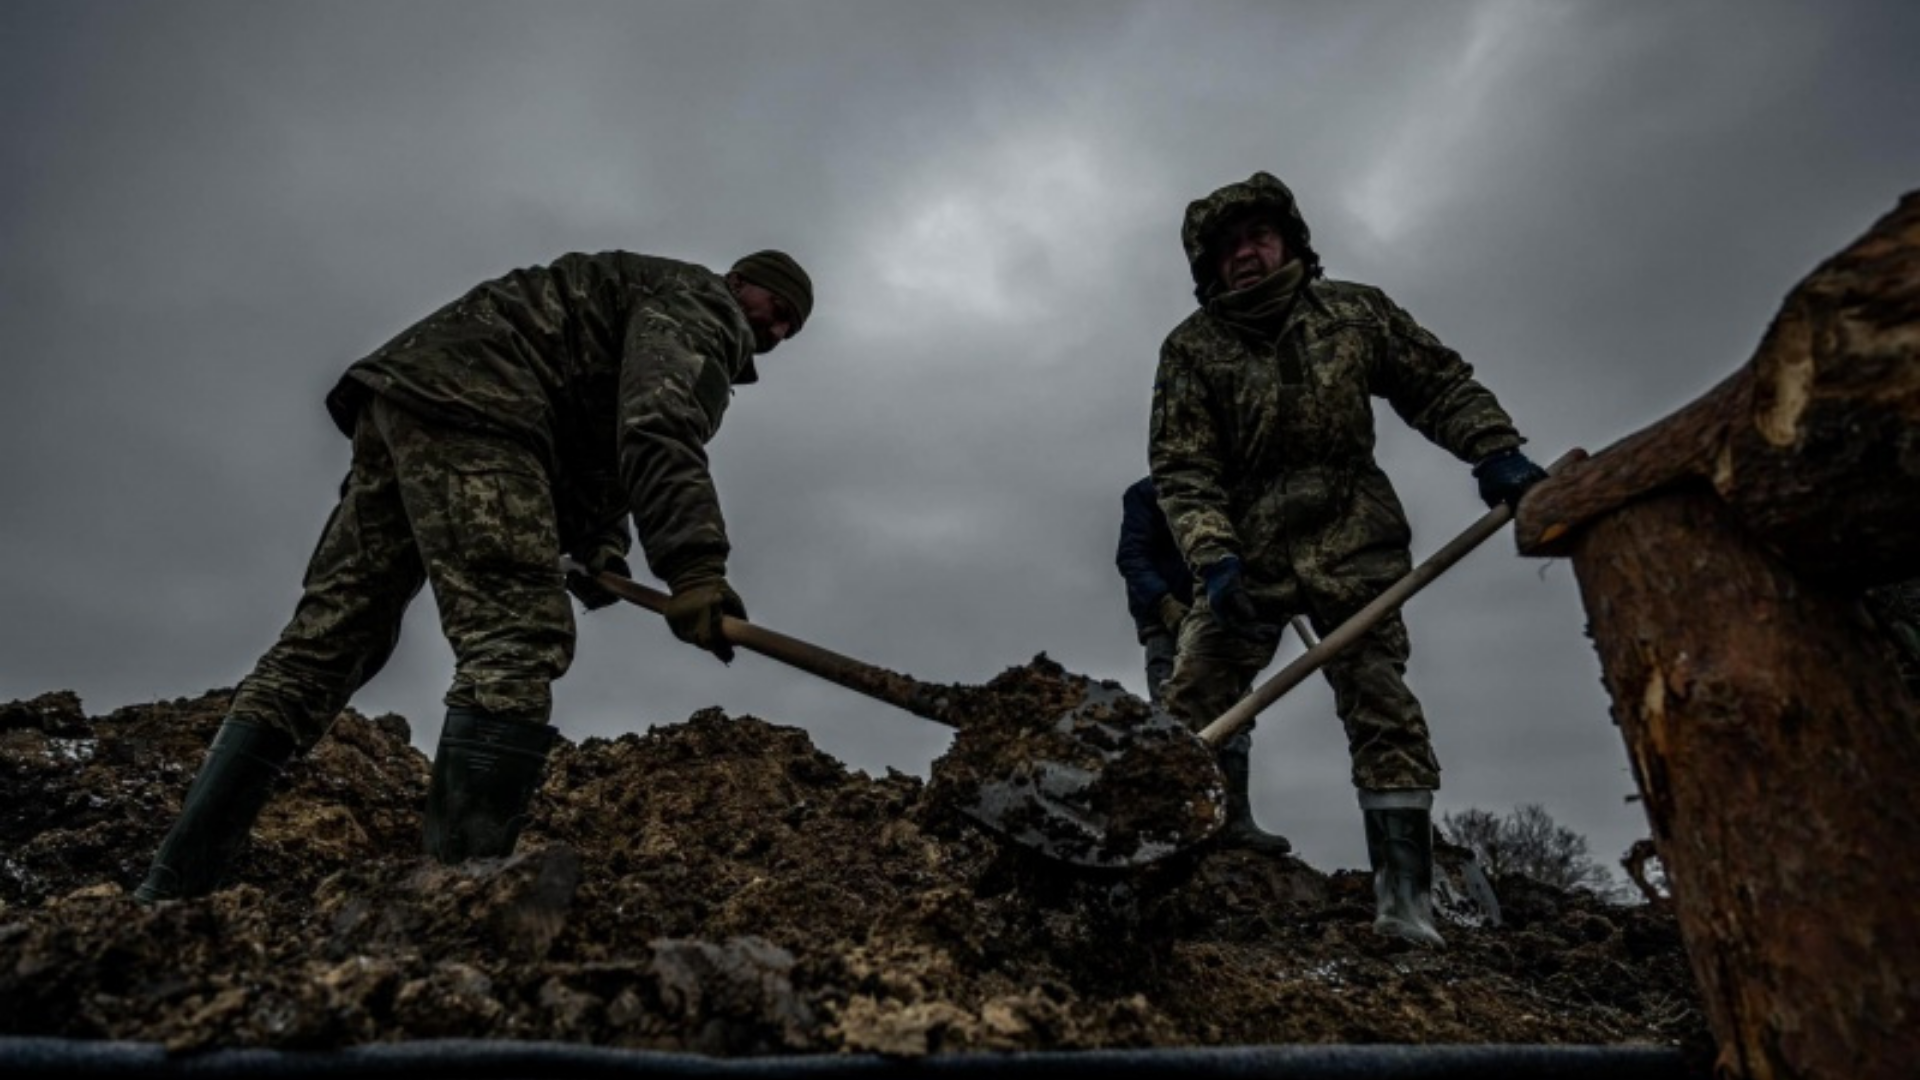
column 1260, row 446
column 616, row 368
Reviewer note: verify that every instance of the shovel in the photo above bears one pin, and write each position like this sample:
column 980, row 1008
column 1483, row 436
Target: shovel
column 924, row 700
column 1024, row 812
column 1109, row 782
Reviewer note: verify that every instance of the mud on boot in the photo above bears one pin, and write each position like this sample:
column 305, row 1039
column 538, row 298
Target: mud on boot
column 1400, row 849
column 485, row 772
column 228, row 793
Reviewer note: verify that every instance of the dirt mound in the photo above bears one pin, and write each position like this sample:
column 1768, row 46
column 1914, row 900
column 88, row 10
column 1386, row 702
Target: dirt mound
column 721, row 886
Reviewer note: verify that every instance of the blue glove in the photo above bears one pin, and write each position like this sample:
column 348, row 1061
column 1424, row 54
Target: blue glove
column 1232, row 605
column 1505, row 476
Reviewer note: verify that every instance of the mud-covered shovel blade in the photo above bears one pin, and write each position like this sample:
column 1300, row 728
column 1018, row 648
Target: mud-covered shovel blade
column 1107, row 783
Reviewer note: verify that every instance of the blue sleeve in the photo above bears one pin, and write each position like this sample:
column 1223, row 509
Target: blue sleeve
column 1135, row 559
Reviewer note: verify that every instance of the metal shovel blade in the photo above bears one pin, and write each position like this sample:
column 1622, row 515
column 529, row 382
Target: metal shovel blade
column 1109, row 783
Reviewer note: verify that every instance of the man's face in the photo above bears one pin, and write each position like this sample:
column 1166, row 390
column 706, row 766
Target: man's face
column 1248, row 249
column 773, row 319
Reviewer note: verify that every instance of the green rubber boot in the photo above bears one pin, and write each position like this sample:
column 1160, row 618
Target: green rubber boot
column 1400, row 848
column 1240, row 831
column 484, row 776
column 228, row 793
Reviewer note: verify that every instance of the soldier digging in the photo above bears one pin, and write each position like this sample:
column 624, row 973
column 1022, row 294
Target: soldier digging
column 526, row 420
column 1262, row 454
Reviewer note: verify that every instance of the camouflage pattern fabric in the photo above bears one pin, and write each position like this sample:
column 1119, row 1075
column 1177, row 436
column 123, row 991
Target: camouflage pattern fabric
column 1387, row 738
column 614, row 370
column 1262, row 445
column 472, row 513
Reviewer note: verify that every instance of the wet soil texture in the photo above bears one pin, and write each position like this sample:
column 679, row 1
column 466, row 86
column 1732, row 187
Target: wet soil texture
column 721, row 886
column 1078, row 770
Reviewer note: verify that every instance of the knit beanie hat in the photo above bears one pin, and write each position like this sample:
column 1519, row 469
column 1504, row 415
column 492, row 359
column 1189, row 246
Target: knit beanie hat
column 776, row 272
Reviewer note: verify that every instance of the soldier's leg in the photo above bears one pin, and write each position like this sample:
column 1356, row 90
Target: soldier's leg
column 1213, row 670
column 481, row 510
column 482, row 513
column 1387, row 736
column 359, row 579
column 1396, row 771
column 1161, row 649
column 363, row 573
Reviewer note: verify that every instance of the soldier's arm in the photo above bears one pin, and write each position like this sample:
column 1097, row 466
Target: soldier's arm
column 1434, row 391
column 1185, row 452
column 1134, row 556
column 674, row 388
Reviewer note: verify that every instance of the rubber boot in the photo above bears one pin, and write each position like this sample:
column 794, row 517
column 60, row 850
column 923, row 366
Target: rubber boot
column 228, row 793
column 1240, row 831
column 1400, row 847
column 484, row 776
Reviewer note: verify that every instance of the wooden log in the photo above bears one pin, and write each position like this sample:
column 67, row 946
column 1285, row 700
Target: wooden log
column 1779, row 757
column 1814, row 444
column 1721, row 554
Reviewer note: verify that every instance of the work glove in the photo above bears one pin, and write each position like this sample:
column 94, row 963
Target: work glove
column 588, row 591
column 700, row 599
column 1172, row 613
column 1505, row 476
column 1232, row 605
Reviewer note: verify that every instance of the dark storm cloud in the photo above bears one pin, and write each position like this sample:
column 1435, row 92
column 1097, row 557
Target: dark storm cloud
column 207, row 210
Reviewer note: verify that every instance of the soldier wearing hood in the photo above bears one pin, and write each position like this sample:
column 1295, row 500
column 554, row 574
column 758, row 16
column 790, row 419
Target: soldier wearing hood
column 529, row 419
column 1262, row 455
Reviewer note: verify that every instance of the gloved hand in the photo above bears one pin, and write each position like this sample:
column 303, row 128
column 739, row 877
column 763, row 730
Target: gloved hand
column 1232, row 605
column 588, row 591
column 1505, row 476
column 699, row 600
column 1172, row 613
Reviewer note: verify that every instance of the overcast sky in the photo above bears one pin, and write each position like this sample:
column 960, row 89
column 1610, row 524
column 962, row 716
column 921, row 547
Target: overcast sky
column 208, row 210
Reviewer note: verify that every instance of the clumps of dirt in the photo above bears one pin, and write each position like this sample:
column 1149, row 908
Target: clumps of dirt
column 1078, row 769
column 721, row 886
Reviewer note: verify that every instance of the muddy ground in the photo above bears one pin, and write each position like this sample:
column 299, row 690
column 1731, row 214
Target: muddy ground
column 721, row 886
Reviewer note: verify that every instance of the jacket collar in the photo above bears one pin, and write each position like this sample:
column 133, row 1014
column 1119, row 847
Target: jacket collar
column 1308, row 297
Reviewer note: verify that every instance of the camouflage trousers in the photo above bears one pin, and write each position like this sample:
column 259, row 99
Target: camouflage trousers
column 470, row 513
column 1387, row 737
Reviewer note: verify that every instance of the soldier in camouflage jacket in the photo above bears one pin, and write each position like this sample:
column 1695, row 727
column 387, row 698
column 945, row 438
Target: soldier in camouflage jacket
column 1262, row 453
column 528, row 419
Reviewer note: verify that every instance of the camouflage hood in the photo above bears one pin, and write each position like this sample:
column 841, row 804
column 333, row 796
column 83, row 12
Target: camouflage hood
column 1259, row 191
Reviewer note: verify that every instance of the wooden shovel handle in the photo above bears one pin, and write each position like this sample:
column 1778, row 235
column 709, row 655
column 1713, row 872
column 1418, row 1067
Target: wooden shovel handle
column 1383, row 605
column 894, row 689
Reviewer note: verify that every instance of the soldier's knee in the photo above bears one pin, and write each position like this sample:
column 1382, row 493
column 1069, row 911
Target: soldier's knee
column 521, row 699
column 1192, row 697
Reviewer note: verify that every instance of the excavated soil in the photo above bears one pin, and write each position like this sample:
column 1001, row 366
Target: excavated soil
column 720, row 886
column 1078, row 769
